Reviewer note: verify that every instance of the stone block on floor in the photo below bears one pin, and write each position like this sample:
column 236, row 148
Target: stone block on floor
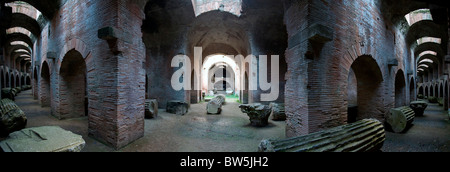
column 177, row 107
column 258, row 114
column 278, row 112
column 151, row 108
column 12, row 118
column 43, row 139
column 418, row 107
column 215, row 105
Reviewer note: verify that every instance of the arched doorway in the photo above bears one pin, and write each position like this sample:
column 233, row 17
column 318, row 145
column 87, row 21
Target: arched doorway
column 7, row 79
column 441, row 91
column 420, row 91
column 17, row 81
column 431, row 91
column 13, row 81
column 2, row 75
column 400, row 89
column 446, row 96
column 28, row 80
column 160, row 35
column 220, row 75
column 222, row 86
column 35, row 84
column 45, row 85
column 22, row 81
column 436, row 91
column 72, row 86
column 365, row 85
column 352, row 89
column 223, row 39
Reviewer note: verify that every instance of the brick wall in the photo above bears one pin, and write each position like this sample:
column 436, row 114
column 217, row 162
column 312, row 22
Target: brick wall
column 352, row 88
column 400, row 89
column 325, row 41
column 44, row 90
column 72, row 86
column 296, row 94
column 115, row 81
column 131, row 75
column 317, row 86
column 159, row 77
column 34, row 84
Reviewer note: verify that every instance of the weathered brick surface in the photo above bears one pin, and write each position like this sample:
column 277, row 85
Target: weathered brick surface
column 44, row 89
column 34, row 84
column 359, row 29
column 296, row 93
column 72, row 88
column 115, row 82
column 333, row 54
column 24, row 9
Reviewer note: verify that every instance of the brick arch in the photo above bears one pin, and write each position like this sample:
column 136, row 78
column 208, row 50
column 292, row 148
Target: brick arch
column 47, row 7
column 71, row 83
column 2, row 77
column 446, row 96
column 45, row 84
column 12, row 80
column 7, row 78
column 369, row 89
column 431, row 90
column 400, row 88
column 137, row 6
column 412, row 79
column 22, row 20
column 413, row 89
column 436, row 90
column 34, row 82
column 16, row 80
column 18, row 36
column 77, row 45
column 26, row 9
column 41, row 67
column 421, row 90
column 355, row 51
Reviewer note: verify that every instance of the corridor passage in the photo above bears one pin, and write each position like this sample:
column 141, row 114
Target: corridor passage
column 193, row 132
column 196, row 132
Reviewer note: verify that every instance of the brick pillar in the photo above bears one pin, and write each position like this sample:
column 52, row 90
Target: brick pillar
column 308, row 32
column 124, row 86
column 296, row 93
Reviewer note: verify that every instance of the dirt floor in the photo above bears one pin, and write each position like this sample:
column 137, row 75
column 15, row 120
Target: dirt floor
column 230, row 131
column 430, row 133
column 193, row 132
